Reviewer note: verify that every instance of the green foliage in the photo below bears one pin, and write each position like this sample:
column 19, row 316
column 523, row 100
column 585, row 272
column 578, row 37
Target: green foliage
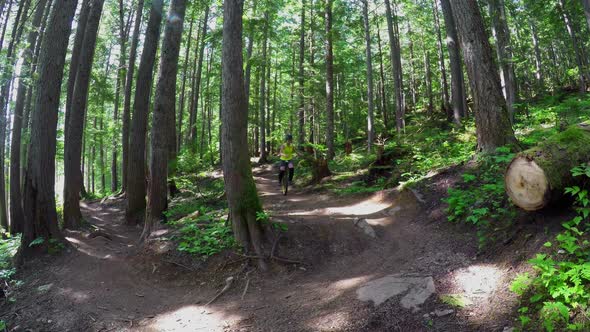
column 561, row 287
column 205, row 235
column 8, row 248
column 455, row 300
column 480, row 199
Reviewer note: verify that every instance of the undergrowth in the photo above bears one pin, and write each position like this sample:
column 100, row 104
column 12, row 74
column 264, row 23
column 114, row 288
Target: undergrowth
column 557, row 296
column 480, row 198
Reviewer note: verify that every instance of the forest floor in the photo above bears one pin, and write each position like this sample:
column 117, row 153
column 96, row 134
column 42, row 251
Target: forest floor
column 387, row 261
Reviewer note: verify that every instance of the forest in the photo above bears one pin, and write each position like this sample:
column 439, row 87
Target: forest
column 294, row 165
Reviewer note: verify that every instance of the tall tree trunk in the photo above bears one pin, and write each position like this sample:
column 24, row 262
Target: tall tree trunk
column 16, row 202
column 183, row 88
column 491, row 117
column 329, row 80
column 311, row 110
column 7, row 78
column 413, row 84
column 73, row 180
column 301, row 111
column 576, row 44
column 249, row 49
column 163, row 143
column 127, row 99
column 445, row 97
column 428, row 78
column 396, row 65
column 538, row 60
column 383, row 98
column 121, row 73
column 504, row 52
column 39, row 189
column 457, row 83
column 136, row 178
column 103, row 184
column 193, row 113
column 586, row 4
column 262, row 117
column 369, row 60
column 242, row 196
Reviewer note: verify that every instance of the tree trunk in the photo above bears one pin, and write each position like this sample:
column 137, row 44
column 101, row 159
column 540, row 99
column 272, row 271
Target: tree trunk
column 73, row 180
column 103, row 184
column 193, row 113
column 428, row 77
column 121, row 73
column 413, row 88
column 457, row 83
column 396, row 65
column 369, row 60
column 504, row 52
column 249, row 49
column 39, row 189
column 445, row 99
column 586, row 4
column 242, row 196
column 16, row 202
column 383, row 98
column 301, row 111
column 538, row 62
column 7, row 78
column 163, row 143
column 136, row 179
column 329, row 81
column 536, row 176
column 128, row 89
column 576, row 44
column 262, row 116
column 491, row 117
column 183, row 88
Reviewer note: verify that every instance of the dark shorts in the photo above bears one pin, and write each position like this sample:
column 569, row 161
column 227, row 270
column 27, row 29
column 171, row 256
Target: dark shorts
column 286, row 163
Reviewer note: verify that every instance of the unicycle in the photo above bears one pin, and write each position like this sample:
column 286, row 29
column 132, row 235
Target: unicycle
column 285, row 184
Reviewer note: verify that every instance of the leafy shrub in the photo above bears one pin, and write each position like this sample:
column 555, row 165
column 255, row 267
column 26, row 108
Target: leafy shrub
column 561, row 287
column 480, row 198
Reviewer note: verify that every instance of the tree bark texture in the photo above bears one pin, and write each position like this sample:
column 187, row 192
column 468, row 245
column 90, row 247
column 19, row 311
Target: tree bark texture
column 136, row 178
column 492, row 122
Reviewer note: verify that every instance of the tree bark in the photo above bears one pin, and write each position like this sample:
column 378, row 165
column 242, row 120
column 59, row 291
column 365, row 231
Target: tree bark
column 193, row 113
column 136, row 179
column 501, row 34
column 39, row 189
column 301, row 111
column 127, row 98
column 369, row 60
column 329, row 81
column 538, row 60
column 242, row 196
column 16, row 202
column 396, row 65
column 576, row 44
column 121, row 73
column 492, row 122
column 457, row 83
column 73, row 180
column 183, row 88
column 445, row 96
column 383, row 99
column 163, row 143
column 586, row 4
column 263, row 92
column 249, row 49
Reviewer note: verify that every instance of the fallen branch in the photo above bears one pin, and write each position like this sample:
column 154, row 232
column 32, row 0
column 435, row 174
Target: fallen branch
column 280, row 259
column 228, row 283
column 247, row 284
column 178, row 264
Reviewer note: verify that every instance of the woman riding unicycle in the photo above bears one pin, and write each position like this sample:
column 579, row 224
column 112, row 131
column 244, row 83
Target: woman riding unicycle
column 287, row 153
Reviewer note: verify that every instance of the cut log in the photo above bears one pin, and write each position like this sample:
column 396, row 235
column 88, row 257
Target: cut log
column 539, row 175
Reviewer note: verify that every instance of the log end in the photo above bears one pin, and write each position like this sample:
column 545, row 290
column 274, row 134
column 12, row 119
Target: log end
column 527, row 184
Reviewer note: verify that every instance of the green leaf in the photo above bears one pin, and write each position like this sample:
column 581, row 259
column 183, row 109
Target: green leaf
column 37, row 241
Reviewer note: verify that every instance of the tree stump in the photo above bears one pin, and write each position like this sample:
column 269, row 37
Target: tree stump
column 320, row 169
column 539, row 175
column 348, row 147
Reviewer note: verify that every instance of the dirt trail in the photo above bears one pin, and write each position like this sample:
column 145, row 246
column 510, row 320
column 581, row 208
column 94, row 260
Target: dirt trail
column 104, row 285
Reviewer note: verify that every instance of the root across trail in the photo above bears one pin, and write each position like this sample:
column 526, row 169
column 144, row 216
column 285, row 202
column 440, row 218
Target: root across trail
column 385, row 261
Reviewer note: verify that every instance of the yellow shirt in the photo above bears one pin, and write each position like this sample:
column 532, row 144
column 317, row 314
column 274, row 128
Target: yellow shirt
column 288, row 152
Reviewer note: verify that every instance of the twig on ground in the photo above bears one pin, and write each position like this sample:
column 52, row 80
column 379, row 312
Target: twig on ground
column 274, row 245
column 280, row 259
column 247, row 284
column 228, row 283
column 178, row 264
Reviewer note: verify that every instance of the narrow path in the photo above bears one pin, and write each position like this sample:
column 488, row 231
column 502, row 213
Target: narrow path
column 107, row 285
